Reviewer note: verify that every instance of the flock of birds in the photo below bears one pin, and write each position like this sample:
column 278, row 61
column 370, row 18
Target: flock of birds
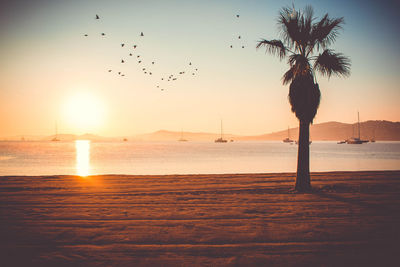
column 162, row 80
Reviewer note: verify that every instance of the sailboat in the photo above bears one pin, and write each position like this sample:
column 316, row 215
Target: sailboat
column 357, row 140
column 287, row 139
column 221, row 139
column 182, row 139
column 55, row 138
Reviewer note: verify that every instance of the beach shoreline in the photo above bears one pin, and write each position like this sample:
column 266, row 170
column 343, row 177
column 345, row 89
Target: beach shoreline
column 349, row 219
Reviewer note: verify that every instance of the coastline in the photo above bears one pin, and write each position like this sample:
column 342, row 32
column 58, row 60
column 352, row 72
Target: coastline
column 350, row 218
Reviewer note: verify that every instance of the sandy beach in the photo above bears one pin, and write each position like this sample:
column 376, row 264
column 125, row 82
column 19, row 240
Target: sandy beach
column 350, row 219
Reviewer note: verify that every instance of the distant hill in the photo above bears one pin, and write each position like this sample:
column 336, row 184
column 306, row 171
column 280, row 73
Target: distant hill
column 330, row 131
column 72, row 137
column 164, row 135
column 335, row 131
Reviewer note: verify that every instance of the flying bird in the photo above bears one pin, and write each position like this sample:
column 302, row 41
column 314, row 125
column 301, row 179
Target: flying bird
column 239, row 37
column 231, row 46
column 103, row 34
column 196, row 69
column 144, row 69
column 86, row 35
column 134, row 46
column 150, row 73
column 123, row 75
column 190, row 63
column 237, row 16
column 139, row 61
column 138, row 56
column 130, row 54
column 109, row 70
column 122, row 61
column 141, row 34
column 119, row 73
column 122, row 45
column 242, row 46
column 97, row 16
column 152, row 62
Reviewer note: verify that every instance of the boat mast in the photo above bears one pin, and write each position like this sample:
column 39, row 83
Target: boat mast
column 56, row 130
column 221, row 130
column 358, row 116
column 288, row 133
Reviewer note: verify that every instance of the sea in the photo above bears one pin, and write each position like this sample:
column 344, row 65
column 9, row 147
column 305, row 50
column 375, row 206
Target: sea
column 83, row 157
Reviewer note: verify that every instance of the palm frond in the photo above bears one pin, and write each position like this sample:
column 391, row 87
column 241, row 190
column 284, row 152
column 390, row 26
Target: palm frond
column 274, row 47
column 329, row 63
column 325, row 32
column 288, row 77
column 288, row 23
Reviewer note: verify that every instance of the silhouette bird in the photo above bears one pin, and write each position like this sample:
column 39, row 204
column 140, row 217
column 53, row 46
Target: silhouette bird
column 162, row 79
column 231, row 46
column 103, row 34
column 122, row 61
column 242, row 46
column 237, row 16
column 86, row 35
column 130, row 54
column 158, row 86
column 138, row 56
column 193, row 73
column 109, row 70
column 145, row 72
column 141, row 34
column 123, row 75
column 122, row 45
column 150, row 73
column 195, row 69
column 144, row 69
column 190, row 63
column 162, row 89
column 139, row 61
column 152, row 62
column 239, row 37
column 134, row 46
column 97, row 16
column 119, row 73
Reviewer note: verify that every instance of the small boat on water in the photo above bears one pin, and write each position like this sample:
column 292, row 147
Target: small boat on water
column 342, row 142
column 221, row 139
column 55, row 138
column 287, row 139
column 182, row 139
column 357, row 140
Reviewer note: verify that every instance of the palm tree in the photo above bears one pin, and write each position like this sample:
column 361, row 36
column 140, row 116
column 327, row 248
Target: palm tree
column 305, row 43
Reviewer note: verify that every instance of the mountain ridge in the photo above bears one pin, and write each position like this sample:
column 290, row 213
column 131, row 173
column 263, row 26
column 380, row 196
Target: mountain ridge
column 380, row 130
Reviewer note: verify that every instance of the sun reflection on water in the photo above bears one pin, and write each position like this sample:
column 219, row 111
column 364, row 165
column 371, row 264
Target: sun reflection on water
column 82, row 148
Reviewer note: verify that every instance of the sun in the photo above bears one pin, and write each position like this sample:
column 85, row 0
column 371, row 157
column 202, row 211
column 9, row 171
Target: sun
column 84, row 112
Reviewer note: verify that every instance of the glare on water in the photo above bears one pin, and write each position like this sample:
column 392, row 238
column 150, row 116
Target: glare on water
column 82, row 148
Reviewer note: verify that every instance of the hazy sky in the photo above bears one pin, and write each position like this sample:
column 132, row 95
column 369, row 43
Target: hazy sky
column 49, row 69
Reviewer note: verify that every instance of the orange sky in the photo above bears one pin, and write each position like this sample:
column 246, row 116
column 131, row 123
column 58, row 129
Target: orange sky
column 47, row 64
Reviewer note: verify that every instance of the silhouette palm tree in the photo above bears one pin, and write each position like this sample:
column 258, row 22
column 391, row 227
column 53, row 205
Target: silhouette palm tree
column 305, row 43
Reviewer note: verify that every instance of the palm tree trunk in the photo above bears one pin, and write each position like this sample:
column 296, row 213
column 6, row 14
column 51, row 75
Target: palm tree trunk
column 303, row 158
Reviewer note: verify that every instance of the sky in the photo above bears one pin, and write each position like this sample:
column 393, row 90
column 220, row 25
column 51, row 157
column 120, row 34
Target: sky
column 50, row 73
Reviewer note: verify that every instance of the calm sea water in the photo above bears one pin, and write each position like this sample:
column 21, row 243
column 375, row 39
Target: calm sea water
column 87, row 158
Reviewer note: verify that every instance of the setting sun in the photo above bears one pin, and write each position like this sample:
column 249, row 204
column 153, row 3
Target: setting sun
column 84, row 112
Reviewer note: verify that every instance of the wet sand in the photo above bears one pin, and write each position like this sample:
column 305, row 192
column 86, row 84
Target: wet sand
column 350, row 219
